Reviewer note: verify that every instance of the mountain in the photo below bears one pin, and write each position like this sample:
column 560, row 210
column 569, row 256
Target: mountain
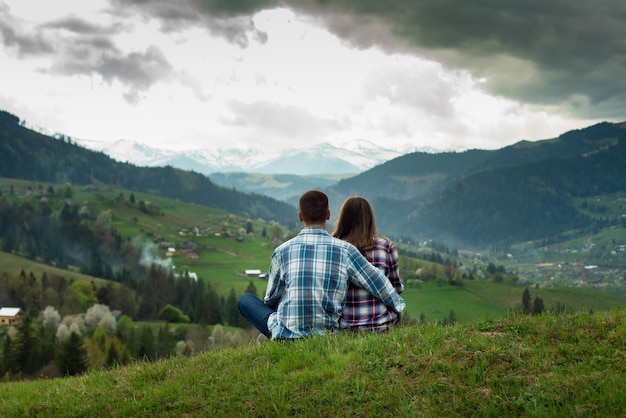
column 282, row 176
column 351, row 157
column 203, row 161
column 527, row 191
column 28, row 155
column 285, row 187
column 318, row 160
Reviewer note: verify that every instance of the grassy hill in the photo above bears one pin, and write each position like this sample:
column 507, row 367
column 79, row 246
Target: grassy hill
column 13, row 264
column 556, row 366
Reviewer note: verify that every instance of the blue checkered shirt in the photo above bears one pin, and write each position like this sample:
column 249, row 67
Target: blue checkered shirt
column 308, row 283
column 364, row 311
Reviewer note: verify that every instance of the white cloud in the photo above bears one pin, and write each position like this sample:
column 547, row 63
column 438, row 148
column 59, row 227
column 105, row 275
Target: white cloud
column 290, row 84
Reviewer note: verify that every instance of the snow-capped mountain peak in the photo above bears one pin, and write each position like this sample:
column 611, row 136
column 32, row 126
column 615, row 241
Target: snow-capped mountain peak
column 350, row 157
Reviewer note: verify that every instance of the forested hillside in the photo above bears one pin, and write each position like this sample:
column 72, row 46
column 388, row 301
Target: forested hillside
column 528, row 191
column 28, row 155
column 120, row 270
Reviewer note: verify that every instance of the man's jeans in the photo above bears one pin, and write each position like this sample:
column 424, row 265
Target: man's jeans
column 256, row 312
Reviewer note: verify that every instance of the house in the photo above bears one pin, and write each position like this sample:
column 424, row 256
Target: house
column 11, row 316
column 252, row 272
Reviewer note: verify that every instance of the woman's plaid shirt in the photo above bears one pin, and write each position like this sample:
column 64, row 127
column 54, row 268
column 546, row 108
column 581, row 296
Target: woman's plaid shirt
column 363, row 311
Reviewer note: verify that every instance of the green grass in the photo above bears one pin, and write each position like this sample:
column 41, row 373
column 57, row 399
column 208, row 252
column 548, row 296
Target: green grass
column 13, row 264
column 436, row 301
column 481, row 300
column 554, row 366
column 576, row 299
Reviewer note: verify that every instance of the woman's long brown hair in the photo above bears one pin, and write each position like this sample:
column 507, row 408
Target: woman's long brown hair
column 356, row 223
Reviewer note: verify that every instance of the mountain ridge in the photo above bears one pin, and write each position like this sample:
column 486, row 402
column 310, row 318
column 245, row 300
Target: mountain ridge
column 522, row 192
column 29, row 155
column 476, row 198
column 350, row 157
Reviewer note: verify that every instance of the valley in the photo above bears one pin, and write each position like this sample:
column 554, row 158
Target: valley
column 165, row 253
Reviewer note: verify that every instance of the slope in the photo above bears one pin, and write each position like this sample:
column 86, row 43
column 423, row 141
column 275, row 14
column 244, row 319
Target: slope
column 525, row 191
column 25, row 154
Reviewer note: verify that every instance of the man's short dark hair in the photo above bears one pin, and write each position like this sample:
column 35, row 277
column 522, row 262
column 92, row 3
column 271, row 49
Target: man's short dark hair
column 314, row 206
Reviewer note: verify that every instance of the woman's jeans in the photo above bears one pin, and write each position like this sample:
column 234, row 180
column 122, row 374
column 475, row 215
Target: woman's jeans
column 256, row 312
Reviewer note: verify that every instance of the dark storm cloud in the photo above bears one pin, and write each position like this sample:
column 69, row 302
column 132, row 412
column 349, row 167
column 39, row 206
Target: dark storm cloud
column 230, row 20
column 79, row 26
column 565, row 53
column 569, row 53
column 16, row 38
column 557, row 52
column 140, row 69
column 137, row 71
column 78, row 47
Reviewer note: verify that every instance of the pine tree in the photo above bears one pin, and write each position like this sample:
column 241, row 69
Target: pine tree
column 166, row 341
column 71, row 359
column 11, row 353
column 450, row 319
column 30, row 356
column 113, row 356
column 146, row 344
column 538, row 307
column 231, row 310
column 526, row 306
column 251, row 288
column 214, row 315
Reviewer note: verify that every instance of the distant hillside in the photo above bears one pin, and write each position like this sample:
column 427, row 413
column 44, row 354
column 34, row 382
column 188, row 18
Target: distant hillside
column 527, row 201
column 526, row 191
column 25, row 154
column 521, row 192
column 285, row 187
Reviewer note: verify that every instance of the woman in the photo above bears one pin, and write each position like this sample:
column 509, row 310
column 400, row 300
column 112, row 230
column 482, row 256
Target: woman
column 363, row 311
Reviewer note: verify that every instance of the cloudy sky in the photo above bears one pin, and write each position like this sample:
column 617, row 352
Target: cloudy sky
column 185, row 74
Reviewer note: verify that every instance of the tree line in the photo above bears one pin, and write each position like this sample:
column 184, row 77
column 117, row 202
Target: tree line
column 45, row 225
column 50, row 345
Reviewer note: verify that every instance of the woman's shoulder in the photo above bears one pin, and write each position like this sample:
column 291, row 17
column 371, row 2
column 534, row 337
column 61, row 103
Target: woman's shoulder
column 383, row 241
column 384, row 245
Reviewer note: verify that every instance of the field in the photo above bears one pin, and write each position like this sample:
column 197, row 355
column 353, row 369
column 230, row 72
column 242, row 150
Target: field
column 223, row 250
column 482, row 300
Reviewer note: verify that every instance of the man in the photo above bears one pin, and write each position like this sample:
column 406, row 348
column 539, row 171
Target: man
column 308, row 279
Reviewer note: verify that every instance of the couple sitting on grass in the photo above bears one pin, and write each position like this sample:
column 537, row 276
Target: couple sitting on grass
column 318, row 283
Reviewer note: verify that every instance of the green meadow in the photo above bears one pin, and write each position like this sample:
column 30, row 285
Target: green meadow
column 481, row 300
column 223, row 252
